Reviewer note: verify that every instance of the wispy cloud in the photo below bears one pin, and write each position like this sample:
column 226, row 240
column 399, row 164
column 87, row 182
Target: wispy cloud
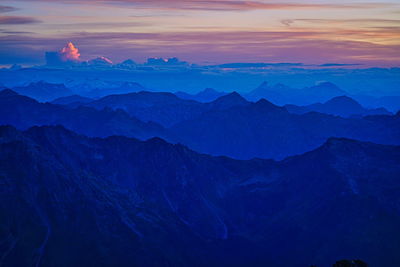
column 221, row 5
column 18, row 20
column 366, row 21
column 308, row 47
column 4, row 9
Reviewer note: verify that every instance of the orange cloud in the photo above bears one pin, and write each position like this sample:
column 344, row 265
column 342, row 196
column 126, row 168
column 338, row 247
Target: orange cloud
column 69, row 53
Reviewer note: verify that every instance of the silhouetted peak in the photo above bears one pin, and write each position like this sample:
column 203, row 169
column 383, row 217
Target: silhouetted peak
column 343, row 99
column 7, row 92
column 157, row 140
column 234, row 94
column 230, row 100
column 231, row 97
column 265, row 104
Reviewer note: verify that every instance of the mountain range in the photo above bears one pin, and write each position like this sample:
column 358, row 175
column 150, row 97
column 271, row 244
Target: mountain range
column 24, row 112
column 70, row 200
column 164, row 108
column 229, row 126
column 43, row 91
column 343, row 106
column 207, row 95
column 281, row 94
column 278, row 94
column 265, row 130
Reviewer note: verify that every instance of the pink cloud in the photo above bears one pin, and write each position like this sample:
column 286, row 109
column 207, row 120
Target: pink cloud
column 69, row 53
column 220, row 5
column 239, row 46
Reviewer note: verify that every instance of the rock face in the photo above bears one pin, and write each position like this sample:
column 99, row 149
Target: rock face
column 69, row 200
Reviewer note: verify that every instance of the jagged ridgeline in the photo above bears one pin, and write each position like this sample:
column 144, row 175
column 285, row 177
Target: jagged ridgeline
column 70, row 200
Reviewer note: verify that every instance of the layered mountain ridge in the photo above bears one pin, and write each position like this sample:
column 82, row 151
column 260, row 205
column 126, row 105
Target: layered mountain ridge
column 129, row 202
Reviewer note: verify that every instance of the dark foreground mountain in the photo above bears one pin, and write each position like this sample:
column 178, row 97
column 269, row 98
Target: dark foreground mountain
column 24, row 112
column 69, row 200
column 343, row 106
column 265, row 130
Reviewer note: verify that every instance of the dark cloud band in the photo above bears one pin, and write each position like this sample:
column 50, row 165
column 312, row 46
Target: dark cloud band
column 18, row 20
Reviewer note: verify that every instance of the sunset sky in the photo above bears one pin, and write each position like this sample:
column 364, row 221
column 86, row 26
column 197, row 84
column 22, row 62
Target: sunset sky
column 312, row 32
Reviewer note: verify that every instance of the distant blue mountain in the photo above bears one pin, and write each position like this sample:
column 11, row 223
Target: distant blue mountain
column 391, row 103
column 117, row 88
column 166, row 109
column 229, row 126
column 24, row 112
column 207, row 95
column 73, row 100
column 69, row 200
column 265, row 130
column 281, row 94
column 43, row 91
column 341, row 106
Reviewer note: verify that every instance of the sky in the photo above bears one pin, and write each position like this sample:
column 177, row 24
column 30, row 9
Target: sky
column 363, row 32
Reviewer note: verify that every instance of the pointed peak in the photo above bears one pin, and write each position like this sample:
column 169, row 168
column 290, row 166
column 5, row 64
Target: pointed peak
column 233, row 96
column 230, row 100
column 264, row 102
column 156, row 141
column 342, row 98
column 234, row 93
column 8, row 92
column 343, row 101
column 266, row 105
